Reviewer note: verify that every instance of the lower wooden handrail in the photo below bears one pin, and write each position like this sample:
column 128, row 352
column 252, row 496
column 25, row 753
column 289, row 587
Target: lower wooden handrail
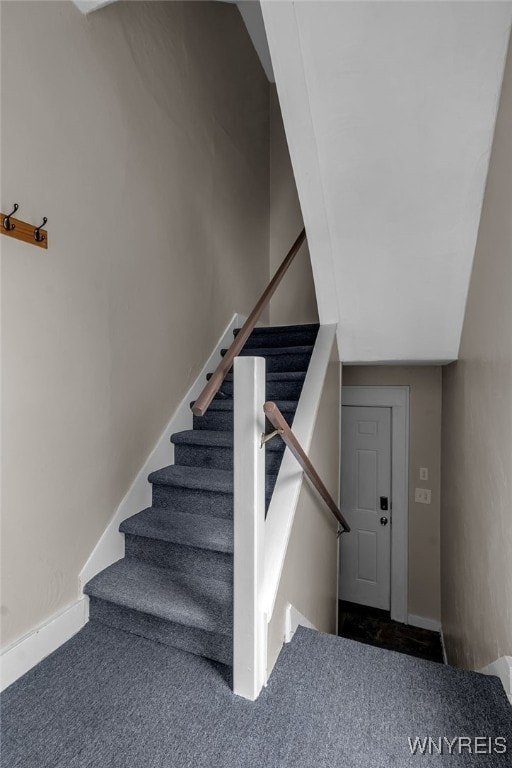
column 278, row 421
column 202, row 403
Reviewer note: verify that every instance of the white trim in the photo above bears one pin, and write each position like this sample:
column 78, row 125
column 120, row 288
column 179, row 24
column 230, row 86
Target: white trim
column 281, row 512
column 110, row 547
column 249, row 626
column 394, row 362
column 34, row 647
column 443, row 646
column 294, row 619
column 424, row 623
column 396, row 398
column 501, row 668
column 88, row 6
column 338, row 501
column 251, row 13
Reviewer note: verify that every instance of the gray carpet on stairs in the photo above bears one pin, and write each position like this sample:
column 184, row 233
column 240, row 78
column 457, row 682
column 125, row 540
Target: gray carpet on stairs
column 109, row 699
column 175, row 583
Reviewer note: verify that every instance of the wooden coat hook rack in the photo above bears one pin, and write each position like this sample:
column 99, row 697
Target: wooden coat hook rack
column 23, row 231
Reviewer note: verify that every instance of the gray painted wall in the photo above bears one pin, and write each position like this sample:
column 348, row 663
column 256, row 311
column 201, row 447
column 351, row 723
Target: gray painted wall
column 142, row 133
column 476, row 555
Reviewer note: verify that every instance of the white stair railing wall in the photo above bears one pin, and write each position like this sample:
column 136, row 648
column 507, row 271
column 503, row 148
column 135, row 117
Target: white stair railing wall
column 249, row 625
column 261, row 545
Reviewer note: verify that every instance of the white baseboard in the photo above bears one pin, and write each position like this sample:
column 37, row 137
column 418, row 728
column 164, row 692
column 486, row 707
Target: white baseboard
column 423, row 623
column 30, row 650
column 294, row 619
column 110, row 547
column 501, row 668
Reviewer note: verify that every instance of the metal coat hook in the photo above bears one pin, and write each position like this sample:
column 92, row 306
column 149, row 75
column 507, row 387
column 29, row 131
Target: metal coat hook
column 38, row 237
column 23, row 230
column 7, row 224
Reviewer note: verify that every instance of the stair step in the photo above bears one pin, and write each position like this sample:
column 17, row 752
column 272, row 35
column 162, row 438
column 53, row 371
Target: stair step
column 200, row 531
column 273, row 376
column 274, row 390
column 279, row 385
column 303, row 349
column 280, row 358
column 214, row 449
column 198, row 490
column 226, row 406
column 271, row 329
column 180, row 557
column 214, row 438
column 181, row 542
column 193, row 478
column 186, row 611
column 282, row 336
column 211, row 645
column 219, row 416
column 191, row 600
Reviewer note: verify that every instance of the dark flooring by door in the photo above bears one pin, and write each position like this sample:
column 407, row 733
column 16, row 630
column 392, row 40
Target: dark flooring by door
column 375, row 627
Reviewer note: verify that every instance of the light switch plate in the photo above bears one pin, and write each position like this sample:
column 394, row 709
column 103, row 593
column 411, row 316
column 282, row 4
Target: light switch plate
column 422, row 495
column 423, row 473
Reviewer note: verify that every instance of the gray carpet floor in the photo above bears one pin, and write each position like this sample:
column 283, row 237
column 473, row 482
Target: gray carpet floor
column 109, row 699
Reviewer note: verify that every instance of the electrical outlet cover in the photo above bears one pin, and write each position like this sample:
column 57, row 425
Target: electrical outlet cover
column 422, row 495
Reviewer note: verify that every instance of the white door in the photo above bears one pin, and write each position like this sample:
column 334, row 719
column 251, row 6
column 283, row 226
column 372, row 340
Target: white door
column 365, row 552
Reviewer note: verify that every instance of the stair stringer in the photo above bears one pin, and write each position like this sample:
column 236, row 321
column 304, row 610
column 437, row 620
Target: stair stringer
column 111, row 546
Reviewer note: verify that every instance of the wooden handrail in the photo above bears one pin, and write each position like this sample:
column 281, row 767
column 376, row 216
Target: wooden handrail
column 278, row 421
column 202, row 403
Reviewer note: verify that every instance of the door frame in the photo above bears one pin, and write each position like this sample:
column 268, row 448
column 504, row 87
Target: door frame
column 396, row 398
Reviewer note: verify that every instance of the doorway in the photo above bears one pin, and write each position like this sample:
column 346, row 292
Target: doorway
column 374, row 451
column 365, row 553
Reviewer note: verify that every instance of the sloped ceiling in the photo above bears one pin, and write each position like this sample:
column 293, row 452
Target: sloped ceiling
column 88, row 6
column 389, row 110
column 250, row 11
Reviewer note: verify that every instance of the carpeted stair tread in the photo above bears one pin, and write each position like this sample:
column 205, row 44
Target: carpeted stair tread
column 273, row 351
column 273, row 376
column 277, row 329
column 195, row 478
column 200, row 531
column 192, row 600
column 282, row 337
column 290, row 406
column 213, row 438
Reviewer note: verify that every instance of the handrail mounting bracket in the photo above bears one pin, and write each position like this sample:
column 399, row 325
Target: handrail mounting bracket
column 265, row 437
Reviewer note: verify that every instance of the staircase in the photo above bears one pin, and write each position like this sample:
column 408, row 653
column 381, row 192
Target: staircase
column 175, row 583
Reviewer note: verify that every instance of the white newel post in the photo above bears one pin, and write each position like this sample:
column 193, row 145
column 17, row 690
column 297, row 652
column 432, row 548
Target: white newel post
column 249, row 630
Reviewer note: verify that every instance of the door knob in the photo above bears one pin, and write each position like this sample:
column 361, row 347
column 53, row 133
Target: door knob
column 383, row 521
